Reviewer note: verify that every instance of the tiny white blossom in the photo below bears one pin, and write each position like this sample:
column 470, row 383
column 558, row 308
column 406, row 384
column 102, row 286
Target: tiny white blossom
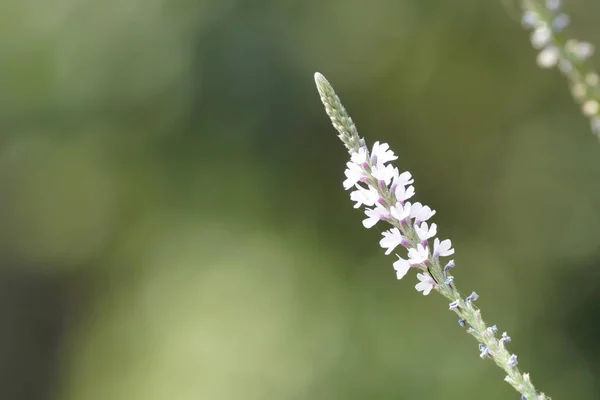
column 548, row 57
column 418, row 255
column 381, row 153
column 400, row 211
column 402, row 179
column 425, row 232
column 425, row 285
column 368, row 197
column 404, row 193
column 374, row 215
column 383, row 173
column 401, row 266
column 360, row 157
column 590, row 108
column 391, row 240
column 354, row 174
column 540, row 37
column 443, row 248
column 421, row 213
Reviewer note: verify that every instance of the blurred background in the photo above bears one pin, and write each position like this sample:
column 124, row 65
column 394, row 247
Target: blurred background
column 173, row 222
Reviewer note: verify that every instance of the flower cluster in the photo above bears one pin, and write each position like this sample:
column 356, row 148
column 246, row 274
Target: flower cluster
column 384, row 191
column 385, row 194
column 547, row 22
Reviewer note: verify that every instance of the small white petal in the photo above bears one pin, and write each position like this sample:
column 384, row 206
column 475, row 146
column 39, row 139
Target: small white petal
column 418, row 255
column 360, row 157
column 443, row 248
column 402, row 179
column 368, row 197
column 425, row 232
column 383, row 172
column 421, row 213
column 541, row 36
column 354, row 173
column 401, row 266
column 425, row 285
column 590, row 108
column 400, row 211
column 374, row 215
column 381, row 153
column 391, row 240
column 404, row 193
column 548, row 57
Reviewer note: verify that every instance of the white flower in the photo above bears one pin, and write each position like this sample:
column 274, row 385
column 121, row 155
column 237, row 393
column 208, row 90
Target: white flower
column 382, row 153
column 368, row 197
column 541, row 36
column 590, row 108
column 401, row 266
column 418, row 255
column 443, row 248
column 400, row 211
column 402, row 179
column 374, row 214
column 421, row 213
column 425, row 232
column 427, row 283
column 548, row 57
column 360, row 157
column 391, row 240
column 404, row 193
column 354, row 173
column 383, row 173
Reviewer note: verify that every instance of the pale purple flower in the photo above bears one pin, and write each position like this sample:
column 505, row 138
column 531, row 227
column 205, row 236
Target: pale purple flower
column 541, row 36
column 400, row 211
column 368, row 197
column 443, row 248
column 426, row 284
column 383, row 173
column 421, row 213
column 391, row 240
column 426, row 232
column 374, row 215
column 404, row 193
column 401, row 179
column 401, row 266
column 381, row 153
column 361, row 157
column 354, row 174
column 418, row 255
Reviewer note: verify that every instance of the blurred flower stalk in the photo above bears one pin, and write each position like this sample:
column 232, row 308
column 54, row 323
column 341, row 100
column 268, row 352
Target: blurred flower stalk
column 547, row 22
column 384, row 192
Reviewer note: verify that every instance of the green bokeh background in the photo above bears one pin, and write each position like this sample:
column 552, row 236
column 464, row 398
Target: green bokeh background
column 174, row 224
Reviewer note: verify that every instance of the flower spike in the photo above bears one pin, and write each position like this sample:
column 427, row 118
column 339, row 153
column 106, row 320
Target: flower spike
column 383, row 191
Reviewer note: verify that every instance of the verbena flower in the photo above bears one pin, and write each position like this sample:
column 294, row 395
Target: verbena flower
column 383, row 190
column 547, row 22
